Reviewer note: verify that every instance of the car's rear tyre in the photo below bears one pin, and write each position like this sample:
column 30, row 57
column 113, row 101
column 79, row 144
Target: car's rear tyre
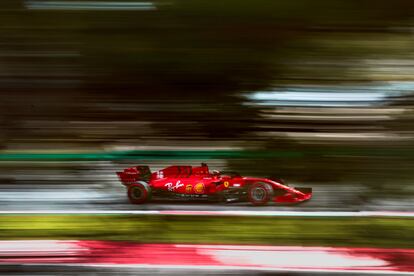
column 139, row 193
column 260, row 193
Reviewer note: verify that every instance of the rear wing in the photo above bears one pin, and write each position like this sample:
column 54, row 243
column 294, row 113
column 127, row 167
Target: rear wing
column 134, row 174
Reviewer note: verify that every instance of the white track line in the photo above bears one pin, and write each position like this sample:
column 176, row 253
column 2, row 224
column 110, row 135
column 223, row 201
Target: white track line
column 220, row 213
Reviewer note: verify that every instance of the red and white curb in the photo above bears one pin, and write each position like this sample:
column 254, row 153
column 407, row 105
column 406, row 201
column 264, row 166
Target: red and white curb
column 258, row 213
column 222, row 257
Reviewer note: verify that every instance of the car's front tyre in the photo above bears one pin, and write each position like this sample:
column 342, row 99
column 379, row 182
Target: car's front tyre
column 259, row 193
column 139, row 193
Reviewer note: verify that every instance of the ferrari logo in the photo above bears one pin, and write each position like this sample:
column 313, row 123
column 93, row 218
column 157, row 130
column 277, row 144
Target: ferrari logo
column 188, row 189
column 226, row 184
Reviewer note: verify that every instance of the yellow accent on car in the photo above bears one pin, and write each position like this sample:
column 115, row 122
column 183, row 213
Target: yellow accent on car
column 199, row 188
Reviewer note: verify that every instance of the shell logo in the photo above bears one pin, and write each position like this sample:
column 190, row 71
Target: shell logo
column 188, row 189
column 226, row 184
column 199, row 188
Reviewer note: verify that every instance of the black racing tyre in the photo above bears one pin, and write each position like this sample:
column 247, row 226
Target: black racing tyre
column 139, row 193
column 260, row 193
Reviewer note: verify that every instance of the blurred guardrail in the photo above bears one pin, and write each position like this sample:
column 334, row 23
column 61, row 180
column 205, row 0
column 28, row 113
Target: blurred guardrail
column 194, row 154
column 149, row 155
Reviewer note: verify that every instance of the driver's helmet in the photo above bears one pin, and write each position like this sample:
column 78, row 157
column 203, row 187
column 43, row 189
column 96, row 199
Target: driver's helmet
column 215, row 172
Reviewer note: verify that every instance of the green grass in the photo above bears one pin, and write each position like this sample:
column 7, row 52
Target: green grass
column 373, row 232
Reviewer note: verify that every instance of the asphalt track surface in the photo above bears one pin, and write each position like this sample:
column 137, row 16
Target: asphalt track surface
column 112, row 196
column 94, row 186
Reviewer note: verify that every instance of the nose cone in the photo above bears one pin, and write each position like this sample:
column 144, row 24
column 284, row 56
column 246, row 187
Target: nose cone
column 307, row 196
column 303, row 194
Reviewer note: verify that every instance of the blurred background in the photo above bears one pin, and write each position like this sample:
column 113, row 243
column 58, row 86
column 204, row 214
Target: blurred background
column 315, row 92
column 319, row 93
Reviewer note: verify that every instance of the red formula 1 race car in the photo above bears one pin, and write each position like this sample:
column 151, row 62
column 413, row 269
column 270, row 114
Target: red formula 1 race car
column 198, row 183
